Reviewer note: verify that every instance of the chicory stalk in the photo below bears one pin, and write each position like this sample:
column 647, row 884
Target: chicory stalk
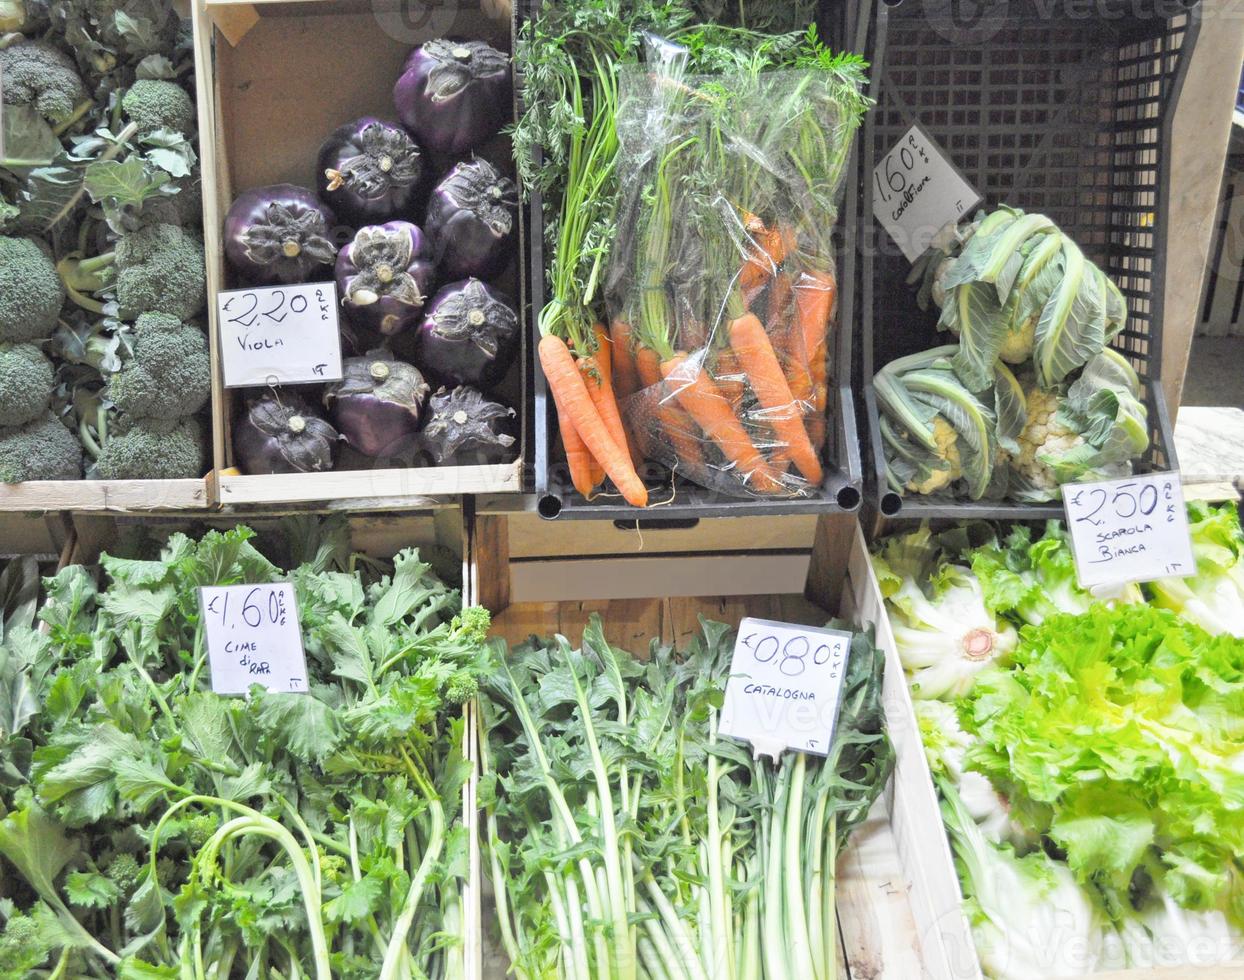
column 717, row 849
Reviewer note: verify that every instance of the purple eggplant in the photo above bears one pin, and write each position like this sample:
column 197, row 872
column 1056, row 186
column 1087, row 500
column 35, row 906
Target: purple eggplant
column 279, row 234
column 385, row 275
column 453, row 95
column 284, row 435
column 472, row 218
column 369, row 171
column 468, row 335
column 466, row 429
column 378, row 404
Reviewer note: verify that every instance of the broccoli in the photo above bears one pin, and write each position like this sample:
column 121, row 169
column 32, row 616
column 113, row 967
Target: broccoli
column 462, row 687
column 146, row 450
column 106, row 33
column 200, row 827
column 31, row 293
column 124, row 871
column 40, row 450
column 26, row 382
column 25, row 942
column 156, row 104
column 169, row 374
column 156, row 269
column 38, row 75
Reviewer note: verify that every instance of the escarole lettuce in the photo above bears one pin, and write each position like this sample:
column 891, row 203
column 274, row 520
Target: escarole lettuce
column 1214, row 597
column 945, row 633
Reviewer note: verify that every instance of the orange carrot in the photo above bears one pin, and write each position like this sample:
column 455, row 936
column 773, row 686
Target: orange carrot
column 677, row 425
column 577, row 457
column 573, row 400
column 816, row 295
column 598, row 376
column 622, row 354
column 756, row 355
column 696, row 392
column 766, row 253
column 729, row 377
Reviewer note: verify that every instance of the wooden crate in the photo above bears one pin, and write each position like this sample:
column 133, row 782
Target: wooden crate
column 923, row 849
column 377, row 535
column 792, row 569
column 275, row 78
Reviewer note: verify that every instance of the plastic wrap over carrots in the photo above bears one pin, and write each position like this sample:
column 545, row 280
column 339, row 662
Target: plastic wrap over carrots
column 722, row 286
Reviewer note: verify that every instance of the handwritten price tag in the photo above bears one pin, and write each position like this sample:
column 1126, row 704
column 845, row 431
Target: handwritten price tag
column 917, row 190
column 1130, row 530
column 785, row 682
column 253, row 637
column 279, row 335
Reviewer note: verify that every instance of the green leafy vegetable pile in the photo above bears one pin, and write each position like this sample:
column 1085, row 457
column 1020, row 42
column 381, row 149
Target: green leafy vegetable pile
column 100, row 229
column 1031, row 396
column 1090, row 768
column 627, row 838
column 152, row 828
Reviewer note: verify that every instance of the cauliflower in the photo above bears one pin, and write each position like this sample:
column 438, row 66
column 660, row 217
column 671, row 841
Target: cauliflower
column 38, row 75
column 947, row 445
column 1017, row 344
column 1044, row 437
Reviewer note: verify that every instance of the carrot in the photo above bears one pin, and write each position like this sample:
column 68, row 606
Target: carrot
column 598, row 376
column 767, row 252
column 696, row 392
column 756, row 355
column 577, row 457
column 677, row 425
column 816, row 295
column 729, row 377
column 622, row 353
column 572, row 398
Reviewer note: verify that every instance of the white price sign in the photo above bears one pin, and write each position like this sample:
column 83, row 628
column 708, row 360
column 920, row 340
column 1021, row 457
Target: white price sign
column 917, row 191
column 274, row 335
column 785, row 682
column 253, row 637
column 1129, row 530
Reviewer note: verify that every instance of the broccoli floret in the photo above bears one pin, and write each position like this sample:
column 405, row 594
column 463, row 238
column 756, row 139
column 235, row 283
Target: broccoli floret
column 156, row 269
column 154, row 104
column 160, row 269
column 462, row 687
column 39, row 75
column 169, row 374
column 147, row 451
column 200, row 827
column 26, row 382
column 124, row 871
column 31, row 293
column 24, row 944
column 40, row 450
column 472, row 624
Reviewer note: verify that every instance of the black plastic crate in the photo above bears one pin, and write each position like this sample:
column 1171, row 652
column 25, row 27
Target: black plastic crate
column 842, row 490
column 1055, row 107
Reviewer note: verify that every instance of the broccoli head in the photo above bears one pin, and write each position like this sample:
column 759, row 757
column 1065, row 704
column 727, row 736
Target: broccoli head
column 38, row 75
column 31, row 293
column 153, row 104
column 168, row 375
column 461, row 688
column 160, row 270
column 39, row 450
column 26, row 382
column 143, row 451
